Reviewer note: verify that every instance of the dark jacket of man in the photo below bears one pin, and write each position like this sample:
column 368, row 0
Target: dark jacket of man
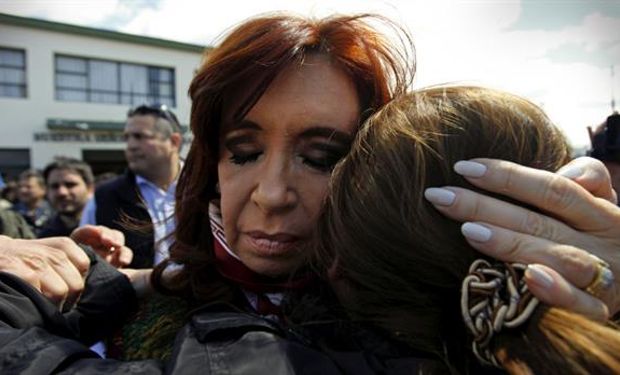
column 59, row 225
column 120, row 206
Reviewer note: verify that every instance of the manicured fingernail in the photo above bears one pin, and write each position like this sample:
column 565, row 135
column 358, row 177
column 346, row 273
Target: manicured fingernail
column 442, row 197
column 476, row 232
column 538, row 275
column 570, row 171
column 470, row 168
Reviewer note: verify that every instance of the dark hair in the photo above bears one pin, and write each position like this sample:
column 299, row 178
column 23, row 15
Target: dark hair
column 167, row 122
column 32, row 173
column 72, row 165
column 606, row 139
column 400, row 264
column 244, row 65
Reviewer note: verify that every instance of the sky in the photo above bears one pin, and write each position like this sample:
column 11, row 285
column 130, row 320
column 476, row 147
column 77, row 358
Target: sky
column 564, row 55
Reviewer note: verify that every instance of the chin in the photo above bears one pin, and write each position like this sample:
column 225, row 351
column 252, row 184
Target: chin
column 274, row 268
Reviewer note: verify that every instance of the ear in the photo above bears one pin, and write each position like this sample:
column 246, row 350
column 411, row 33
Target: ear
column 176, row 139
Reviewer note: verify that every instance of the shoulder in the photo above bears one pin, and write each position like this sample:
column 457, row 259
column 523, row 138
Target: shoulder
column 244, row 344
column 124, row 181
column 14, row 225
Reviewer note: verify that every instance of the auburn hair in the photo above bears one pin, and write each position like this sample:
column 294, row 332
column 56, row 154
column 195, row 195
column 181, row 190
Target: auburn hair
column 242, row 67
column 396, row 262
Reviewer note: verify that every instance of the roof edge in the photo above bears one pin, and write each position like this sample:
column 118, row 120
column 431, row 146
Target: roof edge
column 34, row 23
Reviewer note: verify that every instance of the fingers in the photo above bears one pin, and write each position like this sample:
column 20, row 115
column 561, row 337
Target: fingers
column 55, row 266
column 552, row 289
column 577, row 267
column 73, row 252
column 106, row 242
column 98, row 236
column 466, row 205
column 561, row 197
column 119, row 258
column 87, row 234
column 125, row 256
column 575, row 264
column 592, row 175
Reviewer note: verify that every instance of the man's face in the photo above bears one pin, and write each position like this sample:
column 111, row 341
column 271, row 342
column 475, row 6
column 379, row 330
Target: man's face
column 146, row 149
column 30, row 191
column 67, row 192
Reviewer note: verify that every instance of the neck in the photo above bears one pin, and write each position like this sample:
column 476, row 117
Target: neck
column 33, row 204
column 165, row 176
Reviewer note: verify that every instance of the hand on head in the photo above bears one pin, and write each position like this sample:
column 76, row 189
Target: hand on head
column 580, row 219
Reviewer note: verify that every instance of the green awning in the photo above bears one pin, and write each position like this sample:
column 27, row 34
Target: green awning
column 85, row 125
column 89, row 125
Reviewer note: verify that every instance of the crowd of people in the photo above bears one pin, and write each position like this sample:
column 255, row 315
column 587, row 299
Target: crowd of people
column 327, row 219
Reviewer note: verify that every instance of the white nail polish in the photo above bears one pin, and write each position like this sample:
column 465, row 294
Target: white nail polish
column 539, row 275
column 571, row 172
column 440, row 196
column 470, row 168
column 476, row 232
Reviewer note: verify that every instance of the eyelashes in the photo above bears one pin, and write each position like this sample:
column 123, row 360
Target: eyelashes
column 241, row 159
column 320, row 160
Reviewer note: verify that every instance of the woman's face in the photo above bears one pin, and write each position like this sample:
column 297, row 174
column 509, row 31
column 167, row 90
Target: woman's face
column 274, row 164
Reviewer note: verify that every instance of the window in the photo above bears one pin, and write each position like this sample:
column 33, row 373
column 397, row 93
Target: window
column 102, row 81
column 13, row 161
column 12, row 73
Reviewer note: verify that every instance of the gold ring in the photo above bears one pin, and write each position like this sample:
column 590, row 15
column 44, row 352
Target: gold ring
column 603, row 279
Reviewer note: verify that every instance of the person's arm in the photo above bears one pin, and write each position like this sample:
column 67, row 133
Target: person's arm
column 69, row 276
column 36, row 339
column 572, row 224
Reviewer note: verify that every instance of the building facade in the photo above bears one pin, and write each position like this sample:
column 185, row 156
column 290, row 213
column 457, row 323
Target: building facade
column 65, row 90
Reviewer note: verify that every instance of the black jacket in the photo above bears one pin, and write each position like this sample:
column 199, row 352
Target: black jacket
column 36, row 339
column 59, row 225
column 120, row 205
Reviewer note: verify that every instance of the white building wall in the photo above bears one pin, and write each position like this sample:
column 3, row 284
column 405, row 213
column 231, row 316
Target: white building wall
column 20, row 118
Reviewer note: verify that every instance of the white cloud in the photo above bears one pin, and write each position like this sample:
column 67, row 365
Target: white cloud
column 456, row 40
column 69, row 11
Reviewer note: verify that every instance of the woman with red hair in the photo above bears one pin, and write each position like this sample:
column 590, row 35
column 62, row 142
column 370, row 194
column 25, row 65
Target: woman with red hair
column 274, row 107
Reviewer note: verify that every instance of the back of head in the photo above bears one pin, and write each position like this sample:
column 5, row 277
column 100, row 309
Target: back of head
column 606, row 140
column 398, row 262
column 32, row 173
column 236, row 73
column 166, row 122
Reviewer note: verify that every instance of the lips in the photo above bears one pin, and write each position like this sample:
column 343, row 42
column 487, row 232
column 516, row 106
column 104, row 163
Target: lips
column 276, row 244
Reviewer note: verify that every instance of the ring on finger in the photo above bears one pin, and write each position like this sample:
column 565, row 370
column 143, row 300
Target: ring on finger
column 602, row 281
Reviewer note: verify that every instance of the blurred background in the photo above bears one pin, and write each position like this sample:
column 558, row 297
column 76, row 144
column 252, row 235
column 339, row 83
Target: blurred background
column 69, row 69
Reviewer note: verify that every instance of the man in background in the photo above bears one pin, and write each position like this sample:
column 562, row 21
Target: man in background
column 606, row 147
column 70, row 185
column 32, row 204
column 140, row 203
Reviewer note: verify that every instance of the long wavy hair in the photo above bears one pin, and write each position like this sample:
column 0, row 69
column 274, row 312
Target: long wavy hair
column 242, row 67
column 396, row 262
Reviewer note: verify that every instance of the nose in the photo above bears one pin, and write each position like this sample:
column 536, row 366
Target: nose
column 62, row 190
column 131, row 142
column 275, row 190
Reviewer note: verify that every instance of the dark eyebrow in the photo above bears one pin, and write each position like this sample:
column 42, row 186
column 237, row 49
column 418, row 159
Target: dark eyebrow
column 238, row 125
column 327, row 132
column 316, row 131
